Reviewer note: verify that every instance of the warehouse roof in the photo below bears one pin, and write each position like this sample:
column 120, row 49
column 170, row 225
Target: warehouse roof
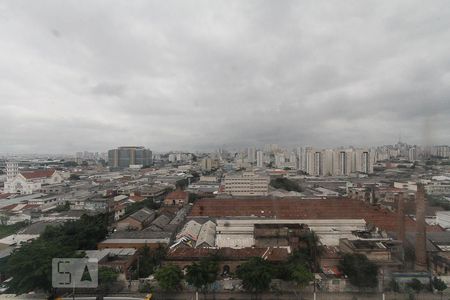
column 297, row 208
column 207, row 235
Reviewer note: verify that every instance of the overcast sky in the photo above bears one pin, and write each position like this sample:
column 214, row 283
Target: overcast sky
column 91, row 75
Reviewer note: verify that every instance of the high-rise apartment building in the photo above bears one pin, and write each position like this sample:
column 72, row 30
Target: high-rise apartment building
column 251, row 155
column 260, row 159
column 363, row 161
column 124, row 157
column 412, row 154
column 441, row 151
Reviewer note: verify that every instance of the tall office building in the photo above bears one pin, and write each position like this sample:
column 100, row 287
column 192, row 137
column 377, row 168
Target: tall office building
column 124, row 157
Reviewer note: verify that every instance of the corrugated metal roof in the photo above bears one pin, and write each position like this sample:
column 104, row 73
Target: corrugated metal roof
column 207, row 235
column 190, row 230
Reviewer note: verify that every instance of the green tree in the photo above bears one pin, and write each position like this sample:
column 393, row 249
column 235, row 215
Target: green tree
column 106, row 278
column 416, row 285
column 203, row 274
column 301, row 275
column 74, row 177
column 314, row 251
column 62, row 207
column 31, row 265
column 394, row 286
column 149, row 259
column 361, row 272
column 256, row 275
column 439, row 285
column 145, row 261
column 169, row 277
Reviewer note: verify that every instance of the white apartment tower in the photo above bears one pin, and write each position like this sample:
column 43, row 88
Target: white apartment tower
column 12, row 170
column 251, row 155
column 343, row 163
column 363, row 161
column 318, row 161
column 260, row 159
column 412, row 154
column 327, row 162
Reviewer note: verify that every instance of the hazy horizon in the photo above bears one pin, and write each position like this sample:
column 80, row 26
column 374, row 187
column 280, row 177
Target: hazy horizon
column 199, row 75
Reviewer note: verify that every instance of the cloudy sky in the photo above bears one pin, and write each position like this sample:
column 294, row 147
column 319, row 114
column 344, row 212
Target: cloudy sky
column 90, row 75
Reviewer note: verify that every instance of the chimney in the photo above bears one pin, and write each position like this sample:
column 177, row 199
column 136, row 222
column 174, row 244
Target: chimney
column 400, row 218
column 421, row 251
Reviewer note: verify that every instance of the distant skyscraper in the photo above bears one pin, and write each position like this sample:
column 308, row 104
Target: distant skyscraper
column 412, row 154
column 260, row 159
column 363, row 162
column 251, row 155
column 441, row 151
column 123, row 157
column 327, row 162
column 318, row 161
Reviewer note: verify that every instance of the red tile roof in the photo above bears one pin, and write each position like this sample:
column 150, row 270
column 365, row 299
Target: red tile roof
column 137, row 198
column 5, row 195
column 296, row 208
column 25, row 206
column 178, row 194
column 37, row 174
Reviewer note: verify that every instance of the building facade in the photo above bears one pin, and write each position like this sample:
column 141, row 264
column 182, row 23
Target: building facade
column 124, row 157
column 27, row 182
column 247, row 184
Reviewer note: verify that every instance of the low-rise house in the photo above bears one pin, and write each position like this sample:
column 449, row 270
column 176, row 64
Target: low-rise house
column 99, row 205
column 136, row 240
column 118, row 259
column 138, row 220
column 159, row 224
column 177, row 197
column 57, row 188
column 386, row 253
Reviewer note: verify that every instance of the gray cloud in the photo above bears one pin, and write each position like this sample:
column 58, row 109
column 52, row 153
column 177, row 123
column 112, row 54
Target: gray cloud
column 202, row 74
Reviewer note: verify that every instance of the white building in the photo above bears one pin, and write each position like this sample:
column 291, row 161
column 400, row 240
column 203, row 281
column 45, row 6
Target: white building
column 443, row 219
column 410, row 185
column 247, row 184
column 27, row 182
column 438, row 189
column 251, row 155
column 260, row 159
column 412, row 154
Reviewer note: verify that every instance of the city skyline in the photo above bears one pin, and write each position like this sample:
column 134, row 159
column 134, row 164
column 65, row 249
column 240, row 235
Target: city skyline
column 243, row 148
